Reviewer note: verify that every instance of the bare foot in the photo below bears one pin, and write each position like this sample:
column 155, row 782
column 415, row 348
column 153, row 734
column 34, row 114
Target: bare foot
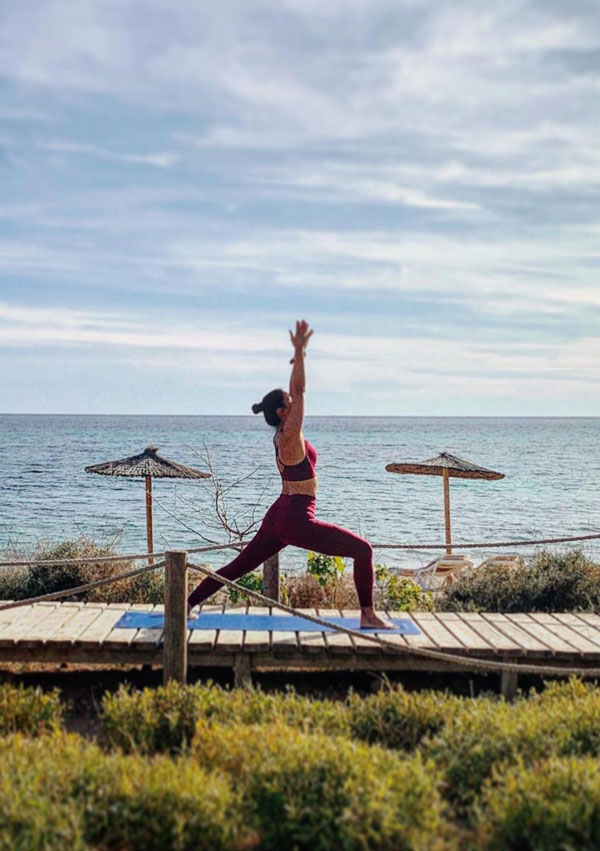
column 369, row 619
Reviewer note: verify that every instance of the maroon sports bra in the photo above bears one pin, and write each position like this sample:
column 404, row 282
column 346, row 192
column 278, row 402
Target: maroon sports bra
column 306, row 469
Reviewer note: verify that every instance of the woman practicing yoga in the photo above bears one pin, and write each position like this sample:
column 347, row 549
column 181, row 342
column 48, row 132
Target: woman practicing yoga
column 291, row 519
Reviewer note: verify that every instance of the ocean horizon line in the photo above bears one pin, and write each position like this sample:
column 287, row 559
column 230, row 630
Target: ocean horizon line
column 323, row 416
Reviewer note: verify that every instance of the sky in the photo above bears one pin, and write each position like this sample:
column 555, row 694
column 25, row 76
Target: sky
column 419, row 179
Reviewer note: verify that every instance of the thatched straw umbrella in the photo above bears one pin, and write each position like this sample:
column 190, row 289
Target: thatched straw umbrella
column 446, row 465
column 147, row 465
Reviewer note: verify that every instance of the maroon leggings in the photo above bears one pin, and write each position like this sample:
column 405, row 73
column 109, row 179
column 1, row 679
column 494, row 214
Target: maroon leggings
column 291, row 521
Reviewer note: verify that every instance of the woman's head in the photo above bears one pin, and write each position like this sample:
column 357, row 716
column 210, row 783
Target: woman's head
column 274, row 406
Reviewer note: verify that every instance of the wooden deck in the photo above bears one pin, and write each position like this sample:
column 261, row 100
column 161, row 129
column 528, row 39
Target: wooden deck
column 86, row 633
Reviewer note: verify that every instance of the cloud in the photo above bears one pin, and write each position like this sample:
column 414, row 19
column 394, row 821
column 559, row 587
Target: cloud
column 161, row 160
column 426, row 165
column 343, row 359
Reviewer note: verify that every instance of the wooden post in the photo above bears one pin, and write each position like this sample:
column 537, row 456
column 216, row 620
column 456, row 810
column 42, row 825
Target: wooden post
column 242, row 671
column 271, row 578
column 446, row 477
column 175, row 639
column 149, row 536
column 508, row 684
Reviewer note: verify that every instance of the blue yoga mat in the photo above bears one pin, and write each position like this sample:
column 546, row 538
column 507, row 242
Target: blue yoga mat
column 278, row 623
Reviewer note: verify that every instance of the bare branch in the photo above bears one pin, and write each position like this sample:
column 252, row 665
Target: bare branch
column 233, row 529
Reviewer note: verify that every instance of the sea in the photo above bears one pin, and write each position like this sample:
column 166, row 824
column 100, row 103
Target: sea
column 551, row 485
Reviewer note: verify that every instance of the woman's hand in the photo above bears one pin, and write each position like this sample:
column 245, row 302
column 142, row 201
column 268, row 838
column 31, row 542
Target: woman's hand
column 301, row 337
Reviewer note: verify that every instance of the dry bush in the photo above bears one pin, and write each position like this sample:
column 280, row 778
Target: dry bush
column 20, row 583
column 303, row 591
column 551, row 582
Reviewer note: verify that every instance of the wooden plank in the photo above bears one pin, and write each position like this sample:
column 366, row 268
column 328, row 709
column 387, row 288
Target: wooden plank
column 148, row 637
column 311, row 642
column 590, row 618
column 203, row 640
column 283, row 641
column 94, row 635
column 437, row 632
column 501, row 643
column 558, row 646
column 123, row 637
column 336, row 642
column 570, row 634
column 43, row 630
column 28, row 618
column 119, row 638
column 230, row 640
column 421, row 639
column 530, row 645
column 256, row 641
column 577, row 621
column 473, row 642
column 9, row 616
column 69, row 632
column 394, row 637
column 361, row 645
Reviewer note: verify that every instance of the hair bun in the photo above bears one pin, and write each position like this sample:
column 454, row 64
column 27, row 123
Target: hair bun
column 257, row 407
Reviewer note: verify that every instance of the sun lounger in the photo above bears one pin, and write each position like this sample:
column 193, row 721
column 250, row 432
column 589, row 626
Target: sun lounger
column 439, row 572
column 510, row 560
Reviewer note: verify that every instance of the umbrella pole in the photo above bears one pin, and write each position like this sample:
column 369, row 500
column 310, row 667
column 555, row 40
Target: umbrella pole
column 446, row 477
column 149, row 517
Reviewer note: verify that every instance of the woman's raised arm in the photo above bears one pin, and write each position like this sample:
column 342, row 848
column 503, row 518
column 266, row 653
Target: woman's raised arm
column 291, row 438
column 299, row 342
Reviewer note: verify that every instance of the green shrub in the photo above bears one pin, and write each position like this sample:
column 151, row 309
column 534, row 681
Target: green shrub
column 400, row 593
column 158, row 803
column 477, row 739
column 325, row 568
column 242, row 786
column 553, row 805
column 328, row 572
column 29, row 710
column 164, row 718
column 63, row 792
column 486, row 735
column 318, row 792
column 35, row 813
column 551, row 582
column 571, row 710
column 156, row 719
column 252, row 581
column 399, row 719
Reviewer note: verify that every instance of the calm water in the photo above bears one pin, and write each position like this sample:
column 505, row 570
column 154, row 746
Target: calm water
column 552, row 469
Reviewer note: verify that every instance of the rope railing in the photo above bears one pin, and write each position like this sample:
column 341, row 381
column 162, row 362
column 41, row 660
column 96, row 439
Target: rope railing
column 471, row 662
column 236, row 546
column 485, row 545
column 68, row 592
column 55, row 562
